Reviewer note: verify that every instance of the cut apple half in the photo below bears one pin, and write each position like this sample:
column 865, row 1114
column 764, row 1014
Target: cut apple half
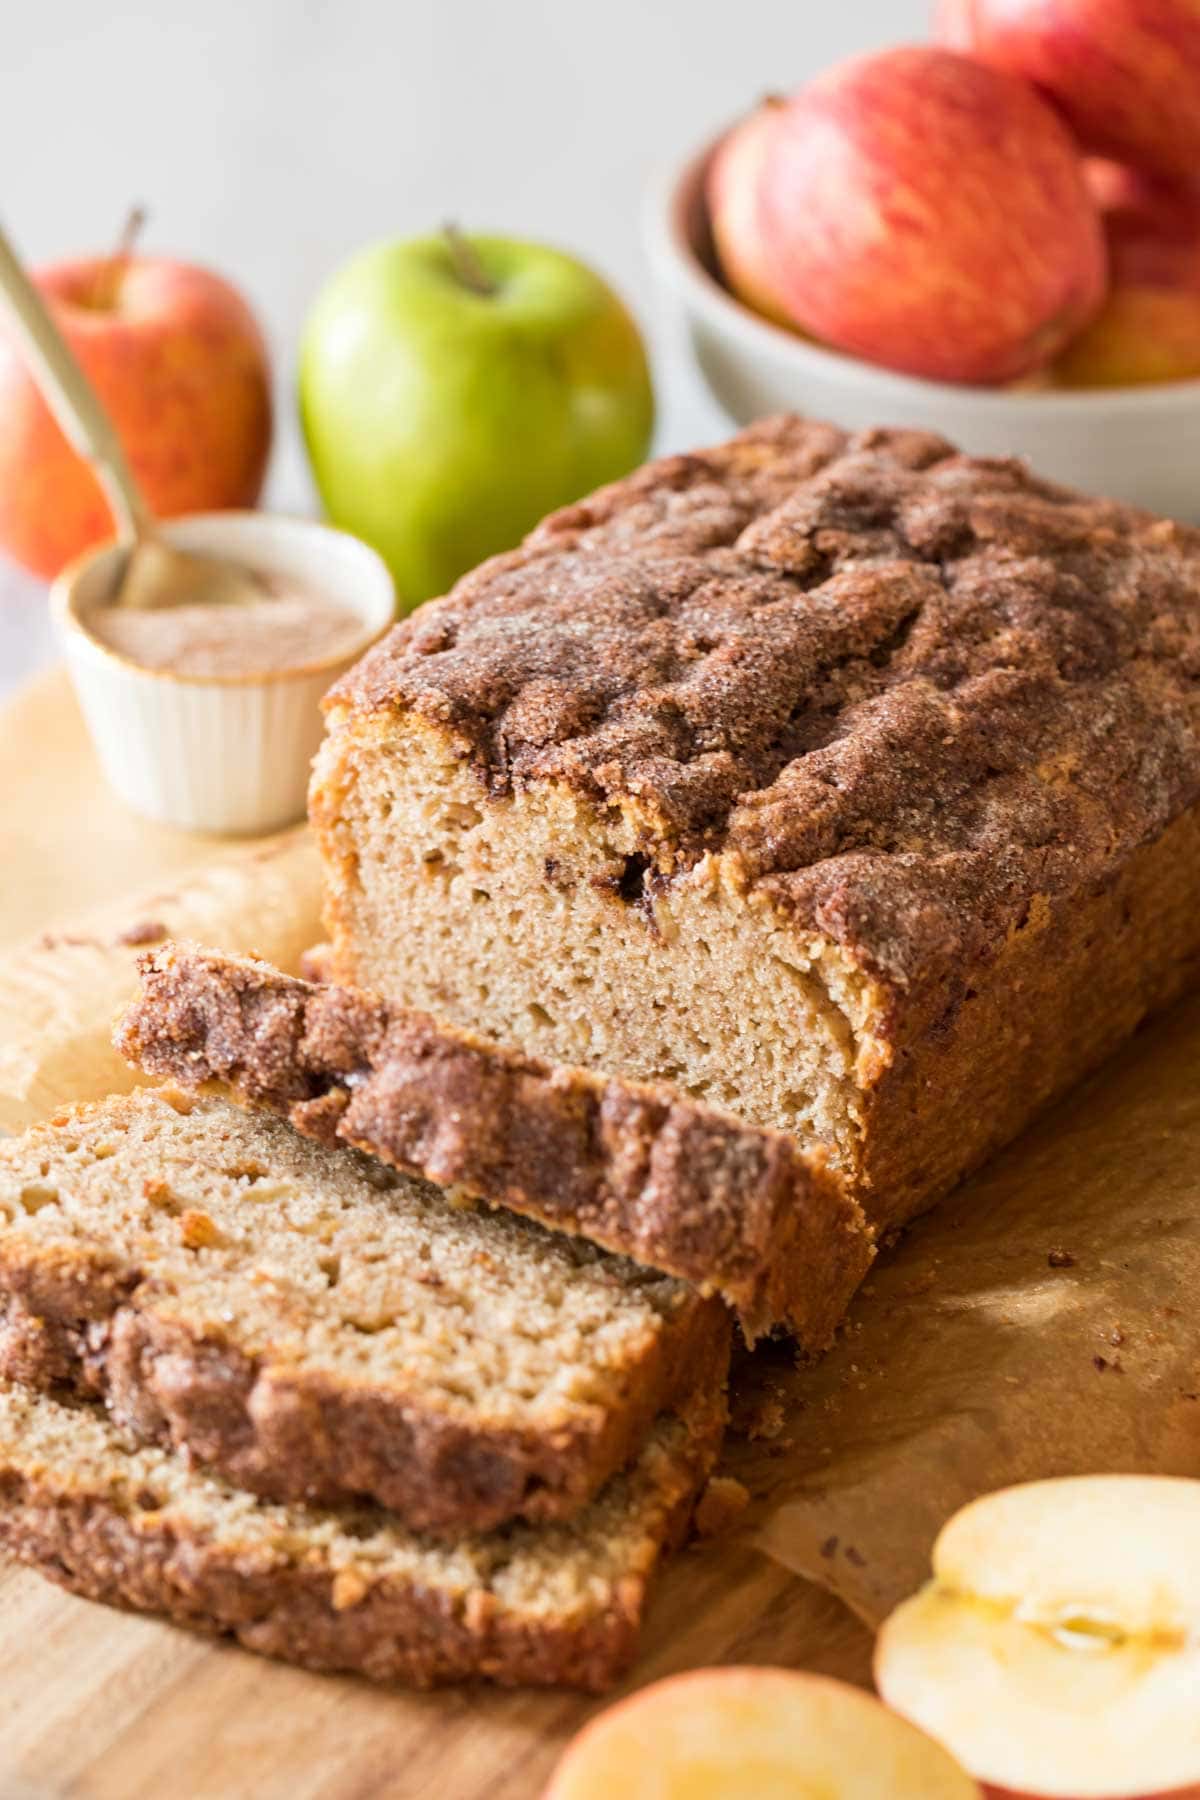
column 1056, row 1652
column 754, row 1734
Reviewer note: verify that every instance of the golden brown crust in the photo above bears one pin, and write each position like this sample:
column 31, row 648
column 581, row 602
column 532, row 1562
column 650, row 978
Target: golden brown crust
column 1065, row 991
column 77, row 1528
column 639, row 1169
column 903, row 691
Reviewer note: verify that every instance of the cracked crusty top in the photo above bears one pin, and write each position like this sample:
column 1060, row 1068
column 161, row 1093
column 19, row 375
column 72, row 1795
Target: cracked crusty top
column 903, row 689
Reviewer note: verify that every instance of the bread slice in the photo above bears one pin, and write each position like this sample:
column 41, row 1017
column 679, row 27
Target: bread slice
column 849, row 781
column 558, row 1605
column 646, row 1171
column 318, row 1327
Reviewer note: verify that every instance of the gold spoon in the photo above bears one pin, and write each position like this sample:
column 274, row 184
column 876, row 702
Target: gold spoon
column 154, row 573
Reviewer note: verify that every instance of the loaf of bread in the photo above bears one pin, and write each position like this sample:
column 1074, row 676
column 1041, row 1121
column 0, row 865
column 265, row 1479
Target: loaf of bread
column 319, row 1328
column 645, row 1171
column 849, row 783
column 139, row 1527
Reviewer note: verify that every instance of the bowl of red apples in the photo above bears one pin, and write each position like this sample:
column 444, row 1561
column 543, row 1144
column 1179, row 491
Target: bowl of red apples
column 995, row 236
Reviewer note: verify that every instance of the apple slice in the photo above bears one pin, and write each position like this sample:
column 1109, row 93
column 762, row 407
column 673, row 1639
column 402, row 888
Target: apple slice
column 1056, row 1652
column 754, row 1734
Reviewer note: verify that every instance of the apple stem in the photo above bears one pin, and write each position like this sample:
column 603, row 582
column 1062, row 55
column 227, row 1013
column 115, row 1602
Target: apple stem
column 108, row 276
column 467, row 266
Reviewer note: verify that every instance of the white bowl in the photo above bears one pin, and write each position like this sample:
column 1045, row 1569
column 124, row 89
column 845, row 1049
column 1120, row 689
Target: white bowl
column 217, row 753
column 1140, row 444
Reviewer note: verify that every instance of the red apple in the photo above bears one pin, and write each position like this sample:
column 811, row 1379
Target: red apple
column 1149, row 327
column 1152, row 227
column 931, row 214
column 1126, row 73
column 733, row 188
column 178, row 360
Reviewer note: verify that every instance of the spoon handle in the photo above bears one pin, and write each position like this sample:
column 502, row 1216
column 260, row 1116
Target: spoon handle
column 71, row 396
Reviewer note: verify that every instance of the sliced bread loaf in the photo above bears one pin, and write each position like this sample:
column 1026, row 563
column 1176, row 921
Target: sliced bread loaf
column 642, row 1170
column 558, row 1605
column 318, row 1327
column 848, row 780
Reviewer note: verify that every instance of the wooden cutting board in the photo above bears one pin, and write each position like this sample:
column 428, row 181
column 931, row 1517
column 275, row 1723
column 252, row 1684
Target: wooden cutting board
column 99, row 1706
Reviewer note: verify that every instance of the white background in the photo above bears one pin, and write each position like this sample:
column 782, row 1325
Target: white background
column 272, row 138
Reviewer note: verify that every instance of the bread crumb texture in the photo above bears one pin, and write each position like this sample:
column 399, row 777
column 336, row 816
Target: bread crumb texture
column 316, row 1323
column 348, row 1589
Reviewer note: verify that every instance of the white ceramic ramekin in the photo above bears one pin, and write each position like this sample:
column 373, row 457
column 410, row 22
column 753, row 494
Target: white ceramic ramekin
column 216, row 753
column 1140, row 444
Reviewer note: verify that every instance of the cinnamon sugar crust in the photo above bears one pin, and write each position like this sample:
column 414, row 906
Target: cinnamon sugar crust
column 903, row 690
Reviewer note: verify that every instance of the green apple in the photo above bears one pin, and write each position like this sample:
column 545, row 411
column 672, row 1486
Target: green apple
column 454, row 390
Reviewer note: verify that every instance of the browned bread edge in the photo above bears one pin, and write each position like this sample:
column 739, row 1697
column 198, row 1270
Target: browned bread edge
column 303, row 1611
column 83, row 1317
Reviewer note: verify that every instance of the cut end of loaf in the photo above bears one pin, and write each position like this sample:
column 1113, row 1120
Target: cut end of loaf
column 538, row 918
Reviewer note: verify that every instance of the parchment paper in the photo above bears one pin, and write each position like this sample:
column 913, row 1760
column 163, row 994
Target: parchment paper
column 1042, row 1322
column 60, row 992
